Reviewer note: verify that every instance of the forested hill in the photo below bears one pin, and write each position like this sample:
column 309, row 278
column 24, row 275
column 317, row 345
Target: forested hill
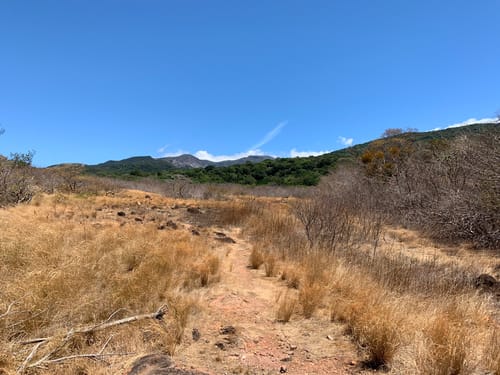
column 293, row 171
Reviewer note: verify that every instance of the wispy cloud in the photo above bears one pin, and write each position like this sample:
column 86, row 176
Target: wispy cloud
column 270, row 136
column 163, row 153
column 205, row 155
column 346, row 141
column 470, row 121
column 303, row 154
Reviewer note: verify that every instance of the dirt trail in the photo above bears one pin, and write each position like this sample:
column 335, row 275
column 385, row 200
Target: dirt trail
column 246, row 300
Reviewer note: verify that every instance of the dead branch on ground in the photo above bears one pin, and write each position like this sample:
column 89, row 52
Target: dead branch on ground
column 46, row 359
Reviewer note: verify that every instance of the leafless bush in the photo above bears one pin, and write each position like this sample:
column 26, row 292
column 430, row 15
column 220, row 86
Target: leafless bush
column 16, row 179
column 341, row 212
column 451, row 190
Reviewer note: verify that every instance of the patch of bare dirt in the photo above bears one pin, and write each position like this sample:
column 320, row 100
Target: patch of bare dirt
column 246, row 300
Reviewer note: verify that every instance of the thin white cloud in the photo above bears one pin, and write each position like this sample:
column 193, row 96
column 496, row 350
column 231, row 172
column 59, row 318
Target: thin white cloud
column 304, row 154
column 346, row 141
column 473, row 121
column 162, row 152
column 470, row 121
column 205, row 155
column 270, row 136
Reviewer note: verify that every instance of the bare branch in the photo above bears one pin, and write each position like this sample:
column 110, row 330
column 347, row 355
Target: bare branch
column 6, row 313
column 29, row 357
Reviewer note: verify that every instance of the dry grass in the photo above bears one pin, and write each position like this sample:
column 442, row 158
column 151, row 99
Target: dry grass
column 287, row 302
column 291, row 275
column 492, row 352
column 270, row 265
column 256, row 258
column 408, row 314
column 62, row 268
column 310, row 297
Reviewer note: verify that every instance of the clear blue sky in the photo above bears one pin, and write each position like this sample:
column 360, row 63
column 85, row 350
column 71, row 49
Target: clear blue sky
column 93, row 80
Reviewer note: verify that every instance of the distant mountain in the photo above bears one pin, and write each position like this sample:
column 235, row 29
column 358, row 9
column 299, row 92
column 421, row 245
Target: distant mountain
column 190, row 161
column 146, row 165
column 261, row 170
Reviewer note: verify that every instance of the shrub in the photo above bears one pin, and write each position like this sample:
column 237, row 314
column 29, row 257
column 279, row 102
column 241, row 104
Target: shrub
column 286, row 306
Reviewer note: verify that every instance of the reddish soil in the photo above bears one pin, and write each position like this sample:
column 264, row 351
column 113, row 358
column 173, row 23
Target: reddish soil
column 246, row 300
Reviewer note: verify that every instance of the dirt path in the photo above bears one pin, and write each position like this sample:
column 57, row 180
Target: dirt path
column 246, row 300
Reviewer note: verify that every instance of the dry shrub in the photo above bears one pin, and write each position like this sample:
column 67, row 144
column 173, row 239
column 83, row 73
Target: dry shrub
column 256, row 258
column 492, row 353
column 446, row 347
column 372, row 317
column 205, row 272
column 270, row 265
column 291, row 275
column 275, row 227
column 286, row 306
column 182, row 307
column 378, row 330
column 237, row 212
column 310, row 297
column 456, row 335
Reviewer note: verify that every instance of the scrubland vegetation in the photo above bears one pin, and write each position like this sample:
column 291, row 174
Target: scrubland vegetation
column 390, row 247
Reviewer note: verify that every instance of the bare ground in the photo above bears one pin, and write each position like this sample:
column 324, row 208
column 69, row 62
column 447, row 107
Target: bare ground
column 245, row 299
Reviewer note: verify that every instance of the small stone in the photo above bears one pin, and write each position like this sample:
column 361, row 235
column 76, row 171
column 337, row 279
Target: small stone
column 227, row 330
column 225, row 239
column 283, row 370
column 172, row 224
column 293, row 347
column 329, row 338
column 194, row 232
column 220, row 345
column 196, row 334
column 121, row 213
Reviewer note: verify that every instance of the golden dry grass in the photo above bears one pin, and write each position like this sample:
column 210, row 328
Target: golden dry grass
column 408, row 313
column 70, row 261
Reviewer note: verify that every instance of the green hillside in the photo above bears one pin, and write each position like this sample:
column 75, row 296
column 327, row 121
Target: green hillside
column 285, row 171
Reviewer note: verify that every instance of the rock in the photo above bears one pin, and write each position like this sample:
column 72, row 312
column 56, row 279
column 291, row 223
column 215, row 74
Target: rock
column 485, row 282
column 329, row 338
column 147, row 196
column 225, row 239
column 193, row 210
column 220, row 345
column 161, row 227
column 153, row 363
column 283, row 370
column 121, row 213
column 227, row 330
column 196, row 334
column 172, row 224
column 158, row 364
column 138, row 219
column 220, row 234
column 293, row 347
column 194, row 232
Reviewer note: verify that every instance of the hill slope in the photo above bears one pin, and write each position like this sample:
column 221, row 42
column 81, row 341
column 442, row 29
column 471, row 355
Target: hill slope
column 282, row 171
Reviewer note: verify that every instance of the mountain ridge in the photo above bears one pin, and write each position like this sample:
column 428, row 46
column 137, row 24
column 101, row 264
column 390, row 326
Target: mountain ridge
column 255, row 170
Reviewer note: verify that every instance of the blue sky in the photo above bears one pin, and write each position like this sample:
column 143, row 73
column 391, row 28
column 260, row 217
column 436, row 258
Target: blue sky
column 93, row 80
